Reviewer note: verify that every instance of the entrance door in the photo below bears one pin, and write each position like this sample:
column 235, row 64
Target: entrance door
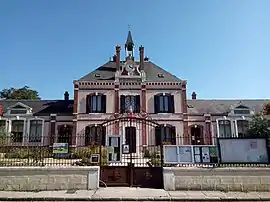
column 130, row 133
column 196, row 135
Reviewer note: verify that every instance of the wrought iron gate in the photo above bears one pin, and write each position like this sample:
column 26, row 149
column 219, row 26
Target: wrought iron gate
column 131, row 154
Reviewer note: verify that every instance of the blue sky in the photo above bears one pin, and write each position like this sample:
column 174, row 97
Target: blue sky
column 222, row 48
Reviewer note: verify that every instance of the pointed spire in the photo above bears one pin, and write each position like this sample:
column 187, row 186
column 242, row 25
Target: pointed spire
column 129, row 41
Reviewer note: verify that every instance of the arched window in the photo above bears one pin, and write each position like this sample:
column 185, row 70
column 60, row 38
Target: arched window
column 165, row 134
column 164, row 103
column 36, row 130
column 96, row 103
column 65, row 134
column 224, row 128
column 95, row 135
column 130, row 102
column 17, row 130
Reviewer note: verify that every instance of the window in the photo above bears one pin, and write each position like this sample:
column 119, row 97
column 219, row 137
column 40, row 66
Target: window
column 18, row 111
column 164, row 103
column 95, row 135
column 241, row 110
column 35, row 130
column 165, row 134
column 3, row 132
column 65, row 134
column 242, row 127
column 96, row 103
column 224, row 127
column 130, row 102
column 17, row 131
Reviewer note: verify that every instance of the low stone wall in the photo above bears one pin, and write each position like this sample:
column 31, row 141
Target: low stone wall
column 221, row 179
column 48, row 178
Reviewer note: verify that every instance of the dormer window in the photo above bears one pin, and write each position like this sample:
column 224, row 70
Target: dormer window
column 160, row 75
column 97, row 75
column 242, row 110
column 19, row 109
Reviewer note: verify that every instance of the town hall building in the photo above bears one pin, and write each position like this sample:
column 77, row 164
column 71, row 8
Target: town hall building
column 126, row 86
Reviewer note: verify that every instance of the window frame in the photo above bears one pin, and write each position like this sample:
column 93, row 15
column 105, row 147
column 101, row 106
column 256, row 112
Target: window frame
column 89, row 103
column 88, row 136
column 161, row 138
column 236, row 125
column 23, row 132
column 137, row 103
column 42, row 130
column 69, row 138
column 171, row 105
column 218, row 128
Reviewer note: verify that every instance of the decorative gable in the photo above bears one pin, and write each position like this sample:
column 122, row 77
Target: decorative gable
column 241, row 109
column 19, row 109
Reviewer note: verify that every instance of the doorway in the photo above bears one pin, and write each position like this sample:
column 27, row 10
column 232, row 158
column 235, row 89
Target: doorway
column 130, row 134
column 196, row 135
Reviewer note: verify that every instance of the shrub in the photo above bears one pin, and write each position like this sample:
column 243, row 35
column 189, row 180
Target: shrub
column 36, row 153
column 84, row 153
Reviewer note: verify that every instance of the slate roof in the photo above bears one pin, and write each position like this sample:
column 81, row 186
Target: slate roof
column 199, row 106
column 43, row 107
column 107, row 71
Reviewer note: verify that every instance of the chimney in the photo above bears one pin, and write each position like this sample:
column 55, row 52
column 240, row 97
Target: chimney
column 141, row 49
column 66, row 96
column 114, row 58
column 1, row 110
column 194, row 96
column 118, row 48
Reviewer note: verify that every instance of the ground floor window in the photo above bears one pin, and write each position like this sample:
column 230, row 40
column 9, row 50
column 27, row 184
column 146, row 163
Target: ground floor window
column 35, row 130
column 65, row 134
column 165, row 134
column 17, row 131
column 242, row 127
column 224, row 128
column 95, row 135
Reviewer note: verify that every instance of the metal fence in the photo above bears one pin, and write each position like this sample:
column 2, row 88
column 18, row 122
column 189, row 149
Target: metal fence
column 22, row 151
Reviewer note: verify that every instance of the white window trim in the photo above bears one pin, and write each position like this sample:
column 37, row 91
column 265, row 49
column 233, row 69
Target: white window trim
column 18, row 118
column 243, row 118
column 42, row 130
column 225, row 119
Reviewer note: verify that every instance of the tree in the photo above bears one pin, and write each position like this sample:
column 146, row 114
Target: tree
column 3, row 136
column 258, row 126
column 266, row 108
column 24, row 93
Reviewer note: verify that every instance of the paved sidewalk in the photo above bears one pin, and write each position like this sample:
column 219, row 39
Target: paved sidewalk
column 133, row 194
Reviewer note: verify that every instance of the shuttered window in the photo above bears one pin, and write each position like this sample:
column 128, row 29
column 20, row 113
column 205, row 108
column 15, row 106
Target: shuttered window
column 165, row 134
column 130, row 103
column 164, row 103
column 95, row 135
column 96, row 103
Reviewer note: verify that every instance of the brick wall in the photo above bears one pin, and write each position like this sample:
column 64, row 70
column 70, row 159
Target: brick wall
column 222, row 179
column 48, row 178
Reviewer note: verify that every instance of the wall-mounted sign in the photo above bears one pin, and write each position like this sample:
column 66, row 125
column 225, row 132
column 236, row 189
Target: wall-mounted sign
column 243, row 150
column 114, row 148
column 94, row 158
column 125, row 149
column 60, row 148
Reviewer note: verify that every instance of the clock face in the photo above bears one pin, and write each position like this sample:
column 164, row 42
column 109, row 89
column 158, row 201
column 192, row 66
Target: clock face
column 129, row 67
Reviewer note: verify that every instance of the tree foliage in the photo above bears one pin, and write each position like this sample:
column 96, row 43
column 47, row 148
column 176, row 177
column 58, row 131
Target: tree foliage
column 3, row 135
column 266, row 108
column 24, row 93
column 258, row 126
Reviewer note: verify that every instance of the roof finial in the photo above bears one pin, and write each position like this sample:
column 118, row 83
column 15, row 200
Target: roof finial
column 129, row 27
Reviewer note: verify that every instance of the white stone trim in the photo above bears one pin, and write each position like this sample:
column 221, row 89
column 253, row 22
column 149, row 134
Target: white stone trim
column 225, row 119
column 42, row 129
